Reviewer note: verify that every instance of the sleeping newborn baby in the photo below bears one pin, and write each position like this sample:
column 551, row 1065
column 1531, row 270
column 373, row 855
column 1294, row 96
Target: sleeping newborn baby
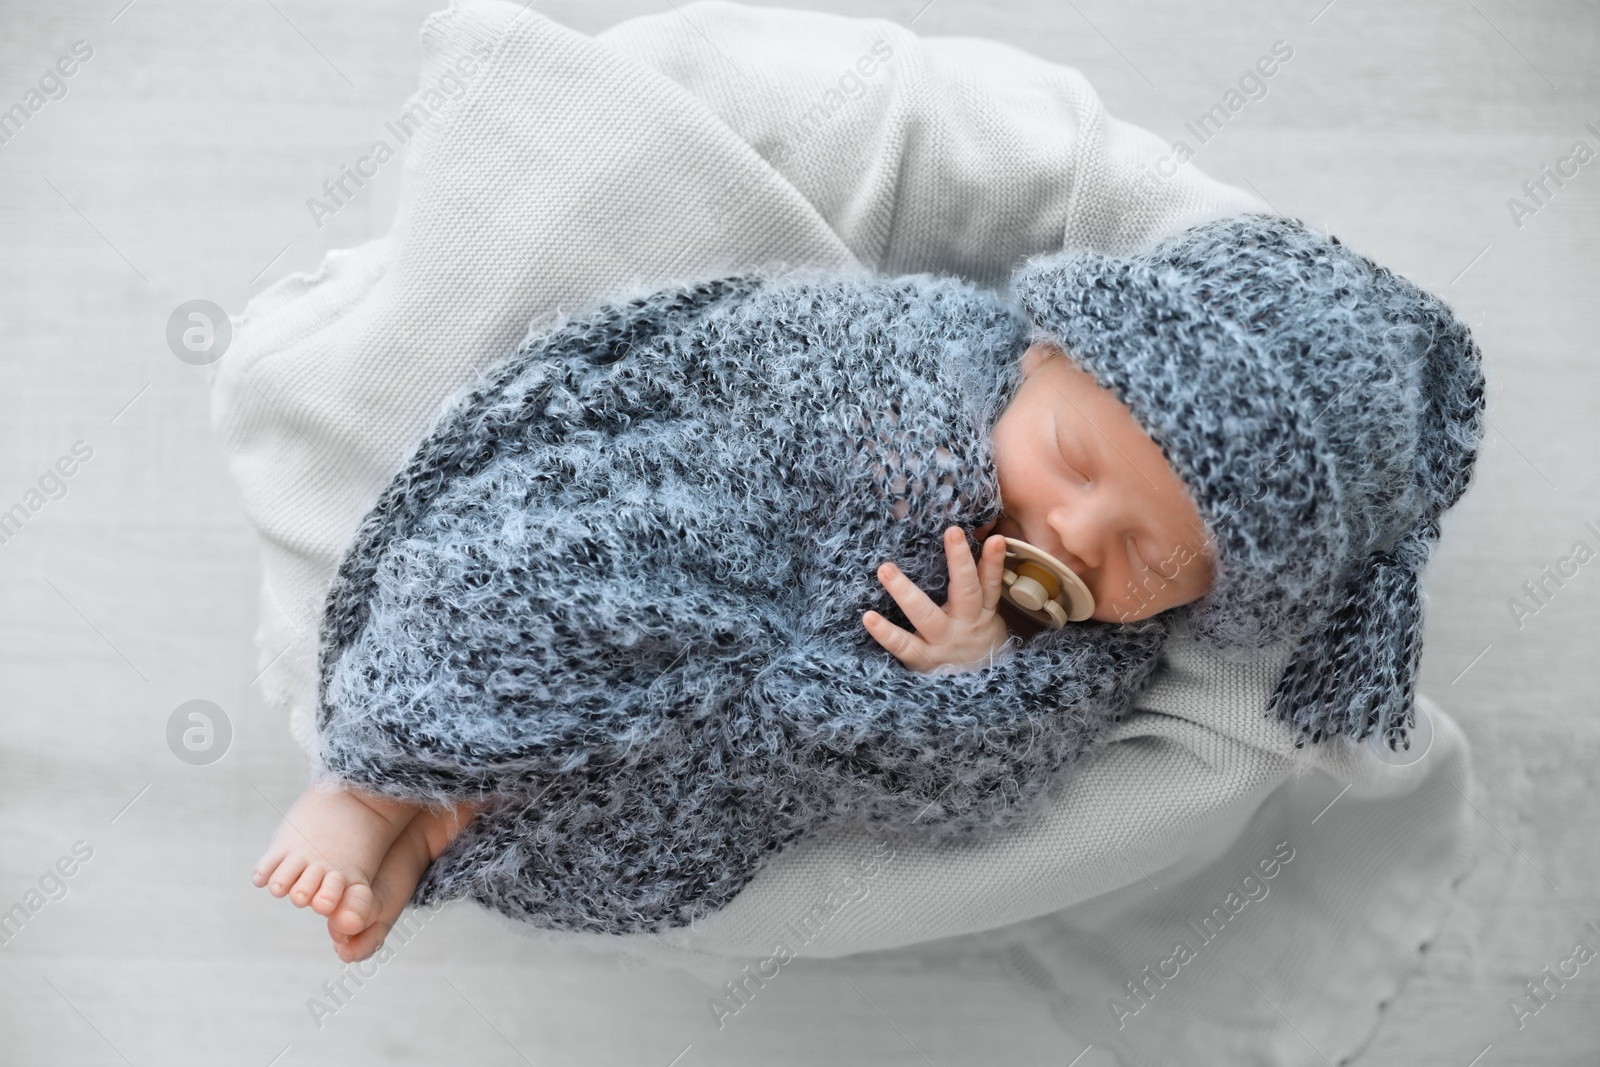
column 665, row 594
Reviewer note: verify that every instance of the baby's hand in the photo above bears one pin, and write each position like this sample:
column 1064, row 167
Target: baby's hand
column 963, row 633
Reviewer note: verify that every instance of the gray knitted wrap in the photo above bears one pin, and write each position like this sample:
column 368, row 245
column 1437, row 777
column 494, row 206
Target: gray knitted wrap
column 617, row 591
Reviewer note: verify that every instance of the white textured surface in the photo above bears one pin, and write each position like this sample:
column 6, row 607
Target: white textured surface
column 186, row 150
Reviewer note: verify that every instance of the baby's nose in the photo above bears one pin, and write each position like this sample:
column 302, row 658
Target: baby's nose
column 1081, row 539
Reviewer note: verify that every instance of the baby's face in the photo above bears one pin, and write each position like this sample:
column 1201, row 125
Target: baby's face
column 1081, row 479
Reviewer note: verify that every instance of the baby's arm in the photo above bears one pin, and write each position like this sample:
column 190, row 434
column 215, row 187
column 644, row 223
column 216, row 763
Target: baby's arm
column 966, row 631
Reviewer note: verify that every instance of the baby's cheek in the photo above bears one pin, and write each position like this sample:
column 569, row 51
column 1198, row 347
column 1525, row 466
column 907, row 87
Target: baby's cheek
column 1123, row 608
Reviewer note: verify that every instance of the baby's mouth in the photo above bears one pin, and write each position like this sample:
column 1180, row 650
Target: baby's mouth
column 1005, row 527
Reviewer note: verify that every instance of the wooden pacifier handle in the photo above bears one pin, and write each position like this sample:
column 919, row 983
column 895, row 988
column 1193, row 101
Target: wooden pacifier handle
column 1042, row 587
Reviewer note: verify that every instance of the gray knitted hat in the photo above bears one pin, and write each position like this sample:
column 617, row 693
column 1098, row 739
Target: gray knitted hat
column 1324, row 413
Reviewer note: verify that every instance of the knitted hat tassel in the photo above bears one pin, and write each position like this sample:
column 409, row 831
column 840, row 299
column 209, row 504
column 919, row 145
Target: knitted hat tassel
column 1356, row 674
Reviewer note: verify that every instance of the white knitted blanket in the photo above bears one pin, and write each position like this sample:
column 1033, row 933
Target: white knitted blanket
column 551, row 169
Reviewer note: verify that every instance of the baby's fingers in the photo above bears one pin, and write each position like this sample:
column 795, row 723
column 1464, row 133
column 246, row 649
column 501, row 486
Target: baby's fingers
column 991, row 570
column 929, row 619
column 970, row 589
column 903, row 646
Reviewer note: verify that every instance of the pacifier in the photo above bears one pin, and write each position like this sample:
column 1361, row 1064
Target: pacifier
column 1042, row 587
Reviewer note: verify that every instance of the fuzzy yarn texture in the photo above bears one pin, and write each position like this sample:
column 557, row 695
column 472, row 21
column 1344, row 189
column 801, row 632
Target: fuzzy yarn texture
column 619, row 590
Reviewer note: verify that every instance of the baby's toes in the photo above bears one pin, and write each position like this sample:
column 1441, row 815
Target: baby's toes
column 284, row 877
column 327, row 898
column 307, row 885
column 265, row 866
column 357, row 908
column 363, row 944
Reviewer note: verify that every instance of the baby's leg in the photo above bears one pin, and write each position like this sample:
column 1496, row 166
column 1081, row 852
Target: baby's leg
column 328, row 848
column 422, row 841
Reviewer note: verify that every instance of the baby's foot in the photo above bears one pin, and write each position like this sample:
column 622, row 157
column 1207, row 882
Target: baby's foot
column 422, row 841
column 327, row 850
